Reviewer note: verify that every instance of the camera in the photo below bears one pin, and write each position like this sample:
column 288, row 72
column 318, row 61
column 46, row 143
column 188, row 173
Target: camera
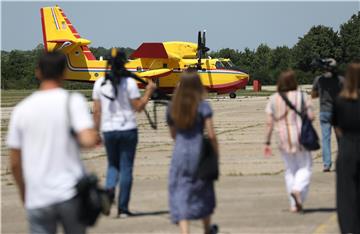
column 93, row 199
column 328, row 64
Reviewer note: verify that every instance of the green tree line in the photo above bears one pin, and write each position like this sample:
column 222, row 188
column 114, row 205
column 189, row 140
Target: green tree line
column 263, row 63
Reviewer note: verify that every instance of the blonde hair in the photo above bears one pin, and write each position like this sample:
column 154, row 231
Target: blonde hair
column 351, row 87
column 185, row 101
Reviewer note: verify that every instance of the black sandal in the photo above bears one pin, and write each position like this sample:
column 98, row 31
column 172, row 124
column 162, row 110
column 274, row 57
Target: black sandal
column 214, row 229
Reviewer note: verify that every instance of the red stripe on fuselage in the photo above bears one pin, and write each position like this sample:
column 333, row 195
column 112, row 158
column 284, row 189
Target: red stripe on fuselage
column 228, row 87
column 219, row 89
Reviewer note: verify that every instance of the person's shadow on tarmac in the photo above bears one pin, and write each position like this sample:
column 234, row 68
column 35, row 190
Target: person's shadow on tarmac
column 150, row 213
column 318, row 210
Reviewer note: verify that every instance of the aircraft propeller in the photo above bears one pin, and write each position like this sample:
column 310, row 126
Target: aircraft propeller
column 201, row 48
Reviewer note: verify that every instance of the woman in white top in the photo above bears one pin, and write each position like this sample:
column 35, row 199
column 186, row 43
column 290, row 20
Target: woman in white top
column 297, row 159
column 114, row 116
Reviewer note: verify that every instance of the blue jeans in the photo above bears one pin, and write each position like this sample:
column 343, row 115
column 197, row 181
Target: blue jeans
column 325, row 124
column 120, row 148
column 45, row 219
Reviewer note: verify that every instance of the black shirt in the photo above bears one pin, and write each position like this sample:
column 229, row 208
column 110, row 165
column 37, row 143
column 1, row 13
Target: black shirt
column 346, row 115
column 328, row 87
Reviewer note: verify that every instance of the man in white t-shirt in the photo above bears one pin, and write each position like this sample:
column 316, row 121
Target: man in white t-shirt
column 44, row 154
column 114, row 116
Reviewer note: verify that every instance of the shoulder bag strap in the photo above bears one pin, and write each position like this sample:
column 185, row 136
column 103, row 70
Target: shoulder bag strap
column 71, row 129
column 289, row 104
column 68, row 116
column 303, row 105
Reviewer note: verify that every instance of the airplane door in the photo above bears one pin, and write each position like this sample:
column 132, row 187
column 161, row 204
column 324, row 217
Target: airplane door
column 209, row 75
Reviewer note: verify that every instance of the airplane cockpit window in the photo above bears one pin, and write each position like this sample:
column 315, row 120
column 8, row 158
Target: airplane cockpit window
column 228, row 64
column 219, row 65
column 231, row 64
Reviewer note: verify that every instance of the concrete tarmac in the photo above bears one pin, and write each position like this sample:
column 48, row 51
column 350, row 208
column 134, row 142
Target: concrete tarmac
column 245, row 204
column 251, row 195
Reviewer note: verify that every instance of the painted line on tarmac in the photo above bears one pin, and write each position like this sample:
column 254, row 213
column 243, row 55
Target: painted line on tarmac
column 322, row 228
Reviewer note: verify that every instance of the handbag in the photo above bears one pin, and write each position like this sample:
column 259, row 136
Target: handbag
column 93, row 199
column 208, row 165
column 308, row 136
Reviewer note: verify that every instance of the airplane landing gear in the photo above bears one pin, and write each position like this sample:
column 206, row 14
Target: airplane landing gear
column 232, row 95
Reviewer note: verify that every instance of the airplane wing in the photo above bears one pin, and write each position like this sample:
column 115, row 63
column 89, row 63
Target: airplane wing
column 150, row 50
column 153, row 50
column 157, row 73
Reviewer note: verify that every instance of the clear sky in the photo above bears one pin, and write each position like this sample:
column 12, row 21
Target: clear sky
column 229, row 24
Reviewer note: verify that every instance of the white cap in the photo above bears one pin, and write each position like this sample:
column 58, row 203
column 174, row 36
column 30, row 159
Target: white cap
column 330, row 62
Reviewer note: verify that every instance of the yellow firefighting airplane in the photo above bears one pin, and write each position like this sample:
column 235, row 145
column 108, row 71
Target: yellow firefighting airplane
column 162, row 62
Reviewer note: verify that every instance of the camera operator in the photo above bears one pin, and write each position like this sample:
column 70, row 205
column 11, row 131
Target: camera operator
column 116, row 98
column 326, row 87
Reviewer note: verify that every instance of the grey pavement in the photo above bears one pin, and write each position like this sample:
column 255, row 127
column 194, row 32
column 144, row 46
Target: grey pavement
column 251, row 194
column 245, row 204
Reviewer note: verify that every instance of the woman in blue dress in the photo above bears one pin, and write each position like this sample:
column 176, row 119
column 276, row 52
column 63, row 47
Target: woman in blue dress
column 188, row 116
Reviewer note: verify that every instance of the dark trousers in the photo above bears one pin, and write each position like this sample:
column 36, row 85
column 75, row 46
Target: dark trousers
column 120, row 148
column 45, row 220
column 348, row 184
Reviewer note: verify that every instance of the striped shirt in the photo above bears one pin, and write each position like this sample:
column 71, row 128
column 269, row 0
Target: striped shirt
column 287, row 122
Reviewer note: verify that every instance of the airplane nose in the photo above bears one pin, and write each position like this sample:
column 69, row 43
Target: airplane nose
column 242, row 76
column 240, row 70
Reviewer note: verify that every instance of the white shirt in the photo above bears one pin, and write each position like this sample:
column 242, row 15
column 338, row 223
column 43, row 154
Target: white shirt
column 39, row 127
column 117, row 115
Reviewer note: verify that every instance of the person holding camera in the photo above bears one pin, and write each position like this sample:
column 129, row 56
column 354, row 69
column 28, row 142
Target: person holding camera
column 44, row 153
column 327, row 87
column 116, row 99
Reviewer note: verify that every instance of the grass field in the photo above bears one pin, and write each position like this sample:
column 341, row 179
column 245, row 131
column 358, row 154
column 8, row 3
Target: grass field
column 10, row 98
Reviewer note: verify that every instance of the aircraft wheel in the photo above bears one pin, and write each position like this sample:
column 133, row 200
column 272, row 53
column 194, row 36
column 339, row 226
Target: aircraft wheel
column 232, row 95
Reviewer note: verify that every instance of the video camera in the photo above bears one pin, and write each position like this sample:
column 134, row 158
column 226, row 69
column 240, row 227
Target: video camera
column 328, row 64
